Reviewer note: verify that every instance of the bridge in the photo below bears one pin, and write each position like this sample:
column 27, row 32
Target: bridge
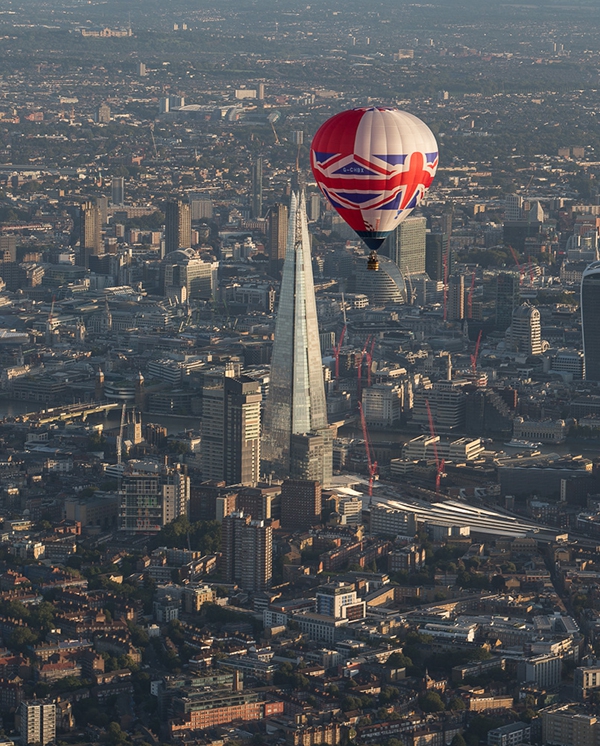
column 68, row 412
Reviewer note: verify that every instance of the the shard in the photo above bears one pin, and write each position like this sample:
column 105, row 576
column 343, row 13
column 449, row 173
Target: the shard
column 297, row 441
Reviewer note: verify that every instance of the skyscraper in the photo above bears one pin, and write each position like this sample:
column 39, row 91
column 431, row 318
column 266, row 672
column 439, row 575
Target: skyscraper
column 247, row 548
column 456, row 298
column 118, row 190
column 296, row 401
column 257, row 188
column 436, row 247
column 514, row 208
column 90, row 232
column 230, row 444
column 526, row 330
column 507, row 298
column 178, row 226
column 590, row 320
column 314, row 207
column 242, row 431
column 277, row 227
column 213, row 426
column 406, row 245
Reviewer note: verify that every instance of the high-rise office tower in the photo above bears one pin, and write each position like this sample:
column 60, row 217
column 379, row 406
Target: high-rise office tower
column 436, row 248
column 178, row 226
column 247, row 548
column 526, row 330
column 300, row 504
column 277, row 227
column 102, row 203
column 296, row 401
column 514, row 208
column 590, row 320
column 507, row 298
column 242, row 403
column 406, row 245
column 212, row 444
column 257, row 188
column 118, row 190
column 456, row 298
column 90, row 235
column 314, row 207
column 446, row 223
column 37, row 721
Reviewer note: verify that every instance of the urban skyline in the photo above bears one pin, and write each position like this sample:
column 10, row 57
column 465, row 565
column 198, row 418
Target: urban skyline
column 256, row 485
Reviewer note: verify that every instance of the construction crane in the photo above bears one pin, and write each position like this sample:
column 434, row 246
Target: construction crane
column 275, row 133
column 336, row 353
column 153, row 140
column 470, row 297
column 120, row 437
column 445, row 286
column 475, row 355
column 439, row 463
column 344, row 309
column 531, row 272
column 360, row 367
column 371, row 463
column 516, row 258
column 50, row 322
column 411, row 298
column 369, row 355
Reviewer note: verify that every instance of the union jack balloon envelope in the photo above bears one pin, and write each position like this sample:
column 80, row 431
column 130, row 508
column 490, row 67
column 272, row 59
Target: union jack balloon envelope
column 374, row 165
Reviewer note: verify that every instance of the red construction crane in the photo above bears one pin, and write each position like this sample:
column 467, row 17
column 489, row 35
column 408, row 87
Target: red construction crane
column 336, row 353
column 531, row 272
column 470, row 297
column 439, row 463
column 475, row 355
column 360, row 367
column 372, row 465
column 370, row 361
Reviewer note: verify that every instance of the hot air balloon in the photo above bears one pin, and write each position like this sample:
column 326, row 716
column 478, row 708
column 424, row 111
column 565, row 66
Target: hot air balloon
column 374, row 165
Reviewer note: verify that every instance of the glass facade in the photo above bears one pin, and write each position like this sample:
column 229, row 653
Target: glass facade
column 296, row 401
column 590, row 320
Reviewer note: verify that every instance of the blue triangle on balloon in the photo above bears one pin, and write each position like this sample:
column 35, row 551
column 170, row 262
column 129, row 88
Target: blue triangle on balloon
column 430, row 157
column 358, row 197
column 393, row 160
column 393, row 204
column 355, row 169
column 333, row 203
column 413, row 202
column 322, row 157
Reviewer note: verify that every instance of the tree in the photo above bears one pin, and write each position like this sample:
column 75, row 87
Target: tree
column 23, row 638
column 431, row 702
column 115, row 735
column 398, row 660
column 456, row 704
column 458, row 740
